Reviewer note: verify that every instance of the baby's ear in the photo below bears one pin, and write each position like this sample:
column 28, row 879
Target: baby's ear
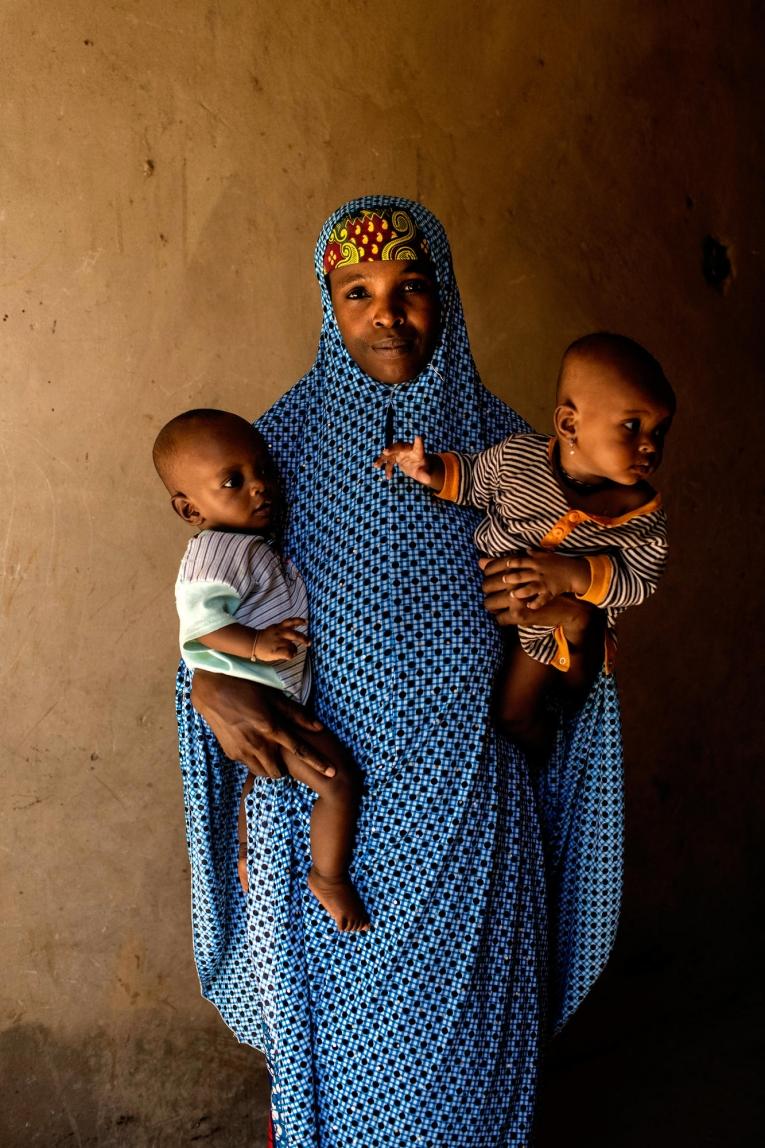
column 565, row 420
column 186, row 510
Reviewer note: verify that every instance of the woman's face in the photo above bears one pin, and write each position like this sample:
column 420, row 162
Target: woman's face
column 388, row 315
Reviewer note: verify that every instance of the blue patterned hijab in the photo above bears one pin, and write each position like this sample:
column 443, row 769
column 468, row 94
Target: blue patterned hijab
column 381, row 553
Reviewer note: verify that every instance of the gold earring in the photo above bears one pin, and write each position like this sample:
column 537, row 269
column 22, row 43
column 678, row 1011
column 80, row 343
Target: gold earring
column 571, row 446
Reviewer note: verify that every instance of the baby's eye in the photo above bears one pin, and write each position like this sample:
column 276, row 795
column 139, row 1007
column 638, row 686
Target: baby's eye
column 234, row 481
column 632, row 425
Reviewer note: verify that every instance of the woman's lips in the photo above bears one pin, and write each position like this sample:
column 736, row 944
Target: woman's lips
column 393, row 347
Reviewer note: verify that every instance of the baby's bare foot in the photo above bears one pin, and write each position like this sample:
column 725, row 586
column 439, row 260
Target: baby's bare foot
column 341, row 901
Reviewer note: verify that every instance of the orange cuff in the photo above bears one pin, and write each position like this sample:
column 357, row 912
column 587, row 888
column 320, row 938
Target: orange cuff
column 562, row 659
column 601, row 573
column 451, row 487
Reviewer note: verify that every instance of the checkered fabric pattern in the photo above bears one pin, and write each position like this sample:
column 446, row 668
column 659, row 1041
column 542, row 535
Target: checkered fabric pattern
column 428, row 1029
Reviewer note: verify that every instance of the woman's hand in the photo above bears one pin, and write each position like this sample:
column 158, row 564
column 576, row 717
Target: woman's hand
column 538, row 576
column 501, row 600
column 253, row 723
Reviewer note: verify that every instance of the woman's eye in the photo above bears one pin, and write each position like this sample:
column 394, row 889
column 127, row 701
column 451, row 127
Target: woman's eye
column 356, row 293
column 632, row 425
column 416, row 285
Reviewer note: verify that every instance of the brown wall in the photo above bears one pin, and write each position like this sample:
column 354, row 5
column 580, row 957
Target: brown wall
column 164, row 169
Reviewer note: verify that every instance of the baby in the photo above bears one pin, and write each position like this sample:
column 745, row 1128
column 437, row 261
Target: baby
column 243, row 611
column 575, row 512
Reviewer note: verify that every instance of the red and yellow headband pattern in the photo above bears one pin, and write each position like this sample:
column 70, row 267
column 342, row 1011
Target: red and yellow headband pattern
column 374, row 235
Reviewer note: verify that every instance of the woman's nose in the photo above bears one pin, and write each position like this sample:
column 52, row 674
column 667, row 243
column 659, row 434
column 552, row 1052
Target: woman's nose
column 388, row 314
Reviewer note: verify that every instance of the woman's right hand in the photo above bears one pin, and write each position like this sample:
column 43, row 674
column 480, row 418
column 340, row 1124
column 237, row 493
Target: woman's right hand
column 253, row 723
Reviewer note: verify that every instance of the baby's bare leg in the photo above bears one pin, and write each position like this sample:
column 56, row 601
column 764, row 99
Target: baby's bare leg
column 586, row 645
column 519, row 709
column 333, row 822
column 241, row 864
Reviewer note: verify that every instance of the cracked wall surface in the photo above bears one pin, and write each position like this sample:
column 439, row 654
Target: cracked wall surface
column 164, row 172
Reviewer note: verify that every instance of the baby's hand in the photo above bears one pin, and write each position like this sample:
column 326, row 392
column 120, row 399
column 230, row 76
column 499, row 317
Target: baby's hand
column 281, row 641
column 539, row 576
column 410, row 457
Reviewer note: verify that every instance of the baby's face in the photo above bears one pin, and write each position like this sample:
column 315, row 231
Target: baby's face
column 620, row 430
column 227, row 475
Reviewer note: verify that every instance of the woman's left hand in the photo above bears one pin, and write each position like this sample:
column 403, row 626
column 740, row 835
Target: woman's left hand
column 501, row 578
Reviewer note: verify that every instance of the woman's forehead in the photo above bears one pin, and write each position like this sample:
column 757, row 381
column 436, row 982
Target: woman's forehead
column 379, row 274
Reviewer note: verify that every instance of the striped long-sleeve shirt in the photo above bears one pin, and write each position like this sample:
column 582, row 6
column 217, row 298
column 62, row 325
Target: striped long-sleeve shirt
column 227, row 578
column 514, row 483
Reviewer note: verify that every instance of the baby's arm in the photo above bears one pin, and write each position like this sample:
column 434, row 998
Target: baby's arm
column 636, row 570
column 274, row 643
column 467, row 478
column 410, row 457
column 614, row 580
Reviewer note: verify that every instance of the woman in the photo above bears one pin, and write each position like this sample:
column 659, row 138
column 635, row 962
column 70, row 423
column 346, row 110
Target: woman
column 428, row 1029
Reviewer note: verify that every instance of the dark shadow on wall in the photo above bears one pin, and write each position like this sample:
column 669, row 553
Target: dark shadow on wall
column 668, row 1050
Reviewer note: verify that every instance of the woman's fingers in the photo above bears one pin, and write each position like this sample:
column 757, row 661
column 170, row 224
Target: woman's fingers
column 288, row 736
column 519, row 577
column 496, row 584
column 253, row 723
column 526, row 590
column 305, row 752
column 507, row 611
column 495, row 569
column 259, row 755
column 499, row 563
column 243, row 716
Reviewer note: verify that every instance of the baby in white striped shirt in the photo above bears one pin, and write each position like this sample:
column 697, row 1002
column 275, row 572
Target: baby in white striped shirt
column 243, row 611
column 570, row 515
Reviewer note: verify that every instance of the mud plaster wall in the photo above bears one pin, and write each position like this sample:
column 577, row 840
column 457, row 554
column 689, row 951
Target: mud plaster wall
column 164, row 170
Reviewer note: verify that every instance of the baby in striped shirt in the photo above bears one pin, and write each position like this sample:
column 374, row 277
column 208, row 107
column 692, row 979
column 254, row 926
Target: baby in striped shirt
column 573, row 514
column 243, row 611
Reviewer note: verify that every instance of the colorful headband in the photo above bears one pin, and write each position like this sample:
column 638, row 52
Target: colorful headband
column 374, row 235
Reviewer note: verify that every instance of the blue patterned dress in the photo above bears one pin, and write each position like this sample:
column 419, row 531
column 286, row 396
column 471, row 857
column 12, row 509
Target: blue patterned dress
column 428, row 1029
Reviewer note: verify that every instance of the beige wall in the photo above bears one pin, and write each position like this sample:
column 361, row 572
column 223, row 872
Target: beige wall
column 164, row 169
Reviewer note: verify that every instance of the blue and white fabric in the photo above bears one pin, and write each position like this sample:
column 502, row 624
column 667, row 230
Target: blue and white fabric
column 428, row 1029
